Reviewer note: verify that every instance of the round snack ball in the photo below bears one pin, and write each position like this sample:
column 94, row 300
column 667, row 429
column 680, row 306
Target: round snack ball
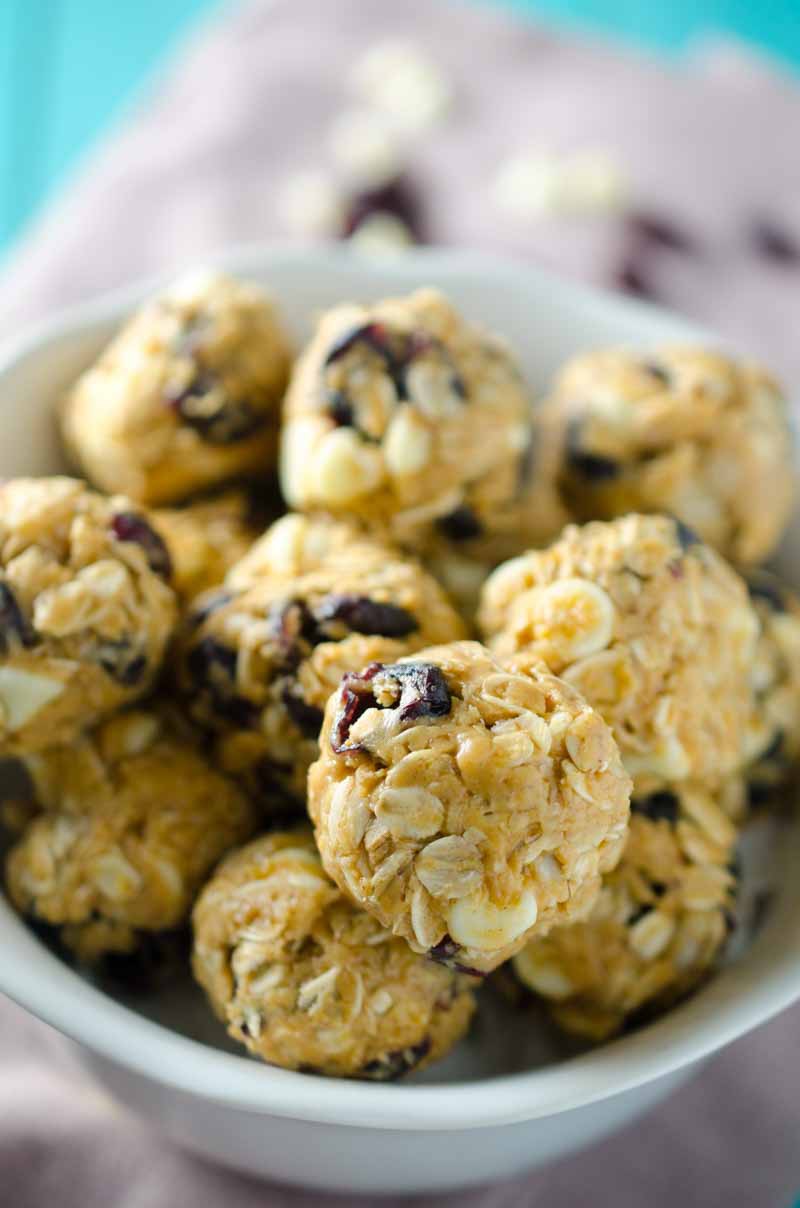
column 773, row 741
column 405, row 416
column 135, row 819
column 85, row 609
column 465, row 806
column 307, row 981
column 651, row 626
column 259, row 661
column 205, row 539
column 186, row 396
column 679, row 430
column 658, row 926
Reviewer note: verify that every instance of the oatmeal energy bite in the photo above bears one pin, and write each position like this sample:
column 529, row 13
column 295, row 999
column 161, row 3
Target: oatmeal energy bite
column 679, row 430
column 405, row 416
column 85, row 609
column 260, row 657
column 134, row 820
column 651, row 626
column 659, row 924
column 465, row 806
column 307, row 981
column 186, row 396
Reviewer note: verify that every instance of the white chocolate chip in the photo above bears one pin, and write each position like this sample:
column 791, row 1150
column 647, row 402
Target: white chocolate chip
column 345, row 468
column 541, row 975
column 310, row 204
column 381, row 234
column 475, row 922
column 398, row 79
column 574, row 616
column 407, row 444
column 381, row 1002
column 23, row 694
column 363, row 144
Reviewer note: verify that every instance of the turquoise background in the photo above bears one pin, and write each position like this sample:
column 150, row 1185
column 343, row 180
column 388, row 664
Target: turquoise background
column 67, row 67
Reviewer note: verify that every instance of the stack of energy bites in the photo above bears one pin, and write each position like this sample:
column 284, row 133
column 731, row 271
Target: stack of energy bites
column 294, row 739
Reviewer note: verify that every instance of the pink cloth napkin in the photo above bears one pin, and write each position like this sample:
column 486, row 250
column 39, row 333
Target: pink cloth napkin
column 708, row 151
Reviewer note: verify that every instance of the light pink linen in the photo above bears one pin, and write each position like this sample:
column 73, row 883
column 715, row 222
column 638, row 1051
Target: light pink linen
column 710, row 148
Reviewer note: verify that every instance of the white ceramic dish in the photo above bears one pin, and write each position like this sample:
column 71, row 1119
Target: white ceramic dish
column 510, row 1098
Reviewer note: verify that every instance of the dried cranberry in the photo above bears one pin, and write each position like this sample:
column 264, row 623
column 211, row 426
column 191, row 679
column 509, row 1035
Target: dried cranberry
column 686, row 537
column 356, row 696
column 394, row 1065
column 370, row 617
column 461, row 524
column 774, row 243
column 396, row 197
column 632, row 279
column 307, row 718
column 340, row 410
column 657, row 371
column 293, row 625
column 592, row 466
column 129, row 526
column 445, row 952
column 212, row 668
column 657, row 806
column 424, row 690
column 648, row 227
column 121, row 661
column 374, row 335
column 763, row 588
column 208, row 605
column 231, row 421
column 14, row 625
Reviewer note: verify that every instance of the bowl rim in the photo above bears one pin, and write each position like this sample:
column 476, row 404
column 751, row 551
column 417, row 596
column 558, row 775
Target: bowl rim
column 738, row 999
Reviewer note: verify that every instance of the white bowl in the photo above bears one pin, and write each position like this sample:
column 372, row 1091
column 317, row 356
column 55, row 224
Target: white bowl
column 511, row 1097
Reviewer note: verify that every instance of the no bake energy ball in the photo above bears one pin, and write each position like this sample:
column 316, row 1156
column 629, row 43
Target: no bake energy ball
column 651, row 626
column 658, row 926
column 86, row 609
column 404, row 415
column 465, row 806
column 307, row 981
column 186, row 396
column 134, row 820
column 259, row 661
column 679, row 430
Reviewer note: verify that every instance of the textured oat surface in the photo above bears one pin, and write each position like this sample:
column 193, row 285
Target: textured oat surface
column 408, row 417
column 651, row 626
column 680, row 430
column 186, row 396
column 260, row 658
column 307, row 981
column 659, row 923
column 465, row 806
column 205, row 539
column 85, row 605
column 134, row 819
